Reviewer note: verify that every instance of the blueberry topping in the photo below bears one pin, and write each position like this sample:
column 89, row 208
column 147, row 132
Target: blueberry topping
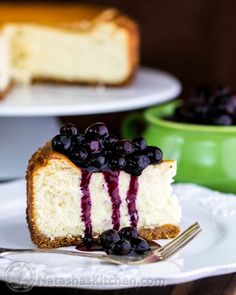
column 78, row 154
column 121, row 247
column 136, row 164
column 130, row 165
column 97, row 161
column 139, row 143
column 97, row 130
column 139, row 245
column 124, row 147
column 93, row 146
column 61, row 143
column 142, row 161
column 69, row 129
column 154, row 154
column 108, row 237
column 109, row 153
column 128, row 233
column 110, row 141
column 79, row 139
column 87, row 242
column 117, row 163
column 124, row 242
column 97, row 151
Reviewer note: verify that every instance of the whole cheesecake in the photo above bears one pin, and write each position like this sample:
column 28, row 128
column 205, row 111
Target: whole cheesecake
column 66, row 44
column 81, row 185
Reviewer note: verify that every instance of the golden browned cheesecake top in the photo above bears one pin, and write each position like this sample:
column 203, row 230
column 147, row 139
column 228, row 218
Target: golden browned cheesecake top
column 77, row 15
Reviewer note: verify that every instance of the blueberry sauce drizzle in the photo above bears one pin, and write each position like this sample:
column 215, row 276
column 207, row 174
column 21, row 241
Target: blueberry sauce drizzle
column 131, row 198
column 86, row 202
column 112, row 181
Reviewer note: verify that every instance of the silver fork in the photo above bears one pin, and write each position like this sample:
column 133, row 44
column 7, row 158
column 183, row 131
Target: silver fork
column 160, row 254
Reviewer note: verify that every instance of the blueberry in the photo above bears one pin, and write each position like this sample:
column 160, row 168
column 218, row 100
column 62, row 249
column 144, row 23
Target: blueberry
column 124, row 147
column 202, row 91
column 97, row 161
column 130, row 165
column 201, row 111
column 110, row 141
column 209, row 106
column 61, row 143
column 69, row 129
column 78, row 154
column 154, row 154
column 117, row 163
column 97, row 130
column 231, row 105
column 92, row 146
column 184, row 114
column 79, row 139
column 128, row 233
column 139, row 245
column 88, row 242
column 122, row 247
column 109, row 153
column 108, row 237
column 224, row 120
column 139, row 143
column 136, row 164
column 222, row 90
column 142, row 161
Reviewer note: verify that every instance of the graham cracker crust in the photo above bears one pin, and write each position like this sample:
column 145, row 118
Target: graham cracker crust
column 166, row 231
column 4, row 93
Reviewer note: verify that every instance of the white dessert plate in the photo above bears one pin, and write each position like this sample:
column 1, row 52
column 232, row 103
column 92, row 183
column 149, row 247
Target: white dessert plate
column 211, row 253
column 149, row 87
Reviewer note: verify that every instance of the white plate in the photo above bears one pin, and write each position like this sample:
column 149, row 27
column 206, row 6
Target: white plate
column 149, row 87
column 211, row 253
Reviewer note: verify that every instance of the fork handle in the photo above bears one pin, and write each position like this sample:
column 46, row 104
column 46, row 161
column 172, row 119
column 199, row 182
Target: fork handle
column 8, row 251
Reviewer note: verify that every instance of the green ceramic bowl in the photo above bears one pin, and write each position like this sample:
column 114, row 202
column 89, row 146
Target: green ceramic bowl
column 206, row 155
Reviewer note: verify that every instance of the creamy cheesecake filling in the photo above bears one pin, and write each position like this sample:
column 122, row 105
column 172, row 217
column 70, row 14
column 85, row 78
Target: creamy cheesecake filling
column 5, row 78
column 58, row 208
column 41, row 52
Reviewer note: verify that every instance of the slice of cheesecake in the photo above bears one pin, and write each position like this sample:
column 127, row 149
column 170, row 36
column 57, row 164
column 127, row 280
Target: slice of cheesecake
column 66, row 202
column 69, row 44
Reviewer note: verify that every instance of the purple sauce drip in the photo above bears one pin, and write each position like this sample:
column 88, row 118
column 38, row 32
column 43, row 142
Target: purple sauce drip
column 112, row 181
column 95, row 247
column 131, row 200
column 86, row 202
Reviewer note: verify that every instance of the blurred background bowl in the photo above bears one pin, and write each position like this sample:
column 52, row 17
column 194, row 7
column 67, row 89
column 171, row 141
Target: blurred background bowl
column 206, row 155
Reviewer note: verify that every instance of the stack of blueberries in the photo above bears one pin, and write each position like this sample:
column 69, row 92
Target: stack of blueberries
column 97, row 150
column 126, row 241
column 208, row 106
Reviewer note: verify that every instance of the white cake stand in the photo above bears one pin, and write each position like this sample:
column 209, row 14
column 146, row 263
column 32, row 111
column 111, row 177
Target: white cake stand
column 28, row 114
